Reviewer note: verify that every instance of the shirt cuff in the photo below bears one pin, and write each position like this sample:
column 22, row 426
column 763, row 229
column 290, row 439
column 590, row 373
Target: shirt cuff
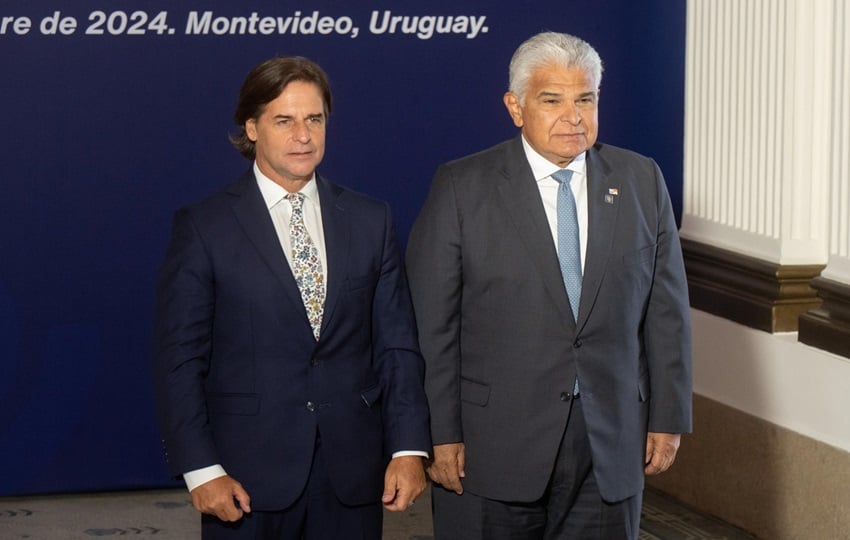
column 410, row 453
column 202, row 476
column 197, row 477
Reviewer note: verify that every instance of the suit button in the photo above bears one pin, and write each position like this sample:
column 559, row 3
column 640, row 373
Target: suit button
column 311, row 406
column 314, row 362
column 566, row 396
column 577, row 343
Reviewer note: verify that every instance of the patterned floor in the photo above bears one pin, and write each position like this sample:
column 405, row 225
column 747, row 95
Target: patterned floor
column 663, row 518
column 168, row 515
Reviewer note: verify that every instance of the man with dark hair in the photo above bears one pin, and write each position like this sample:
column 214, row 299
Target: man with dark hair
column 287, row 371
column 550, row 293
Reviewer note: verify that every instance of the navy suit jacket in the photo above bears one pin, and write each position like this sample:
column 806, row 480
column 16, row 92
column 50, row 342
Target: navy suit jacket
column 241, row 381
column 501, row 347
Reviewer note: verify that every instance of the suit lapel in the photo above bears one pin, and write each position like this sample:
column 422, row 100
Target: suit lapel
column 337, row 230
column 521, row 199
column 602, row 207
column 253, row 216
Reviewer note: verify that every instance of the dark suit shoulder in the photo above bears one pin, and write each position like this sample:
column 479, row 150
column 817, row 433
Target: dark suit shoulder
column 222, row 197
column 619, row 166
column 349, row 199
column 494, row 157
column 482, row 171
column 496, row 152
column 351, row 196
column 246, row 185
column 615, row 156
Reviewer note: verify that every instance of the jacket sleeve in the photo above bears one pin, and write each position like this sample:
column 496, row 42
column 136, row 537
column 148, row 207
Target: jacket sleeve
column 396, row 353
column 667, row 330
column 182, row 347
column 434, row 265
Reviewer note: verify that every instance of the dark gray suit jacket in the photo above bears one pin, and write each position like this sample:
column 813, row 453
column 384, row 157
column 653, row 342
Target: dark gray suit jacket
column 499, row 341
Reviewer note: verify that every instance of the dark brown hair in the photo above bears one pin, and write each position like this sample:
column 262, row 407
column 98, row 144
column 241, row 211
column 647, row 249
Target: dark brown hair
column 264, row 84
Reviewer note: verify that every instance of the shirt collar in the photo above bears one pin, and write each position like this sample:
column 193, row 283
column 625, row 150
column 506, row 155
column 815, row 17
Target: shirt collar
column 542, row 168
column 273, row 193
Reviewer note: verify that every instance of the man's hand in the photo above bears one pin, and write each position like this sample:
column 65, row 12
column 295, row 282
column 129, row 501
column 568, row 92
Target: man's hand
column 222, row 497
column 403, row 482
column 661, row 449
column 447, row 468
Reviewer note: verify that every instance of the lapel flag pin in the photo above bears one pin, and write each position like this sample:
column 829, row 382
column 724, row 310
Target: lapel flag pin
column 612, row 192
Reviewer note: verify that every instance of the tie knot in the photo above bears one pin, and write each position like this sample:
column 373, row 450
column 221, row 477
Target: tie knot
column 563, row 176
column 296, row 200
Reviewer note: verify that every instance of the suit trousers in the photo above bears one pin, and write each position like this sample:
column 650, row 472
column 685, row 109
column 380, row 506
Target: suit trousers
column 571, row 507
column 316, row 515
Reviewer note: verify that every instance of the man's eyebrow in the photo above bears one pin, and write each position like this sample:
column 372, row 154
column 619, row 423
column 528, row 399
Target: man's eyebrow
column 281, row 116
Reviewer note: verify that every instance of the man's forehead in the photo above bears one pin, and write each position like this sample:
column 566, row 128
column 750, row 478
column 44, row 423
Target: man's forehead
column 559, row 90
column 290, row 98
column 555, row 69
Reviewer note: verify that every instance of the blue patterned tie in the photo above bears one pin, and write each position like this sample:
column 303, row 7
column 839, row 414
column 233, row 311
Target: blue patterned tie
column 569, row 252
column 306, row 265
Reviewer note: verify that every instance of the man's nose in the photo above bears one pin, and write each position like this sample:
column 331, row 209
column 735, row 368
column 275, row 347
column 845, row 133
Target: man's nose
column 301, row 132
column 571, row 114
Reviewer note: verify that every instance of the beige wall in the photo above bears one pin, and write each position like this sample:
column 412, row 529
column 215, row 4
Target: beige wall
column 770, row 481
column 770, row 451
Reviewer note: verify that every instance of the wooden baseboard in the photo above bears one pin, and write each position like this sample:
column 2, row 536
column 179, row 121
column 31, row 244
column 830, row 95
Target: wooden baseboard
column 827, row 327
column 749, row 291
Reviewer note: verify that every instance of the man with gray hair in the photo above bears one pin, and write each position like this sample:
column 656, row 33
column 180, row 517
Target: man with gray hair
column 553, row 315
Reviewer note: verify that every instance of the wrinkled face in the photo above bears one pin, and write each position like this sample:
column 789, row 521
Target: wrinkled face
column 290, row 135
column 559, row 117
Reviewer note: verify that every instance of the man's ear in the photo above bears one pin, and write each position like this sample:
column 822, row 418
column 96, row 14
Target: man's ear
column 251, row 129
column 511, row 101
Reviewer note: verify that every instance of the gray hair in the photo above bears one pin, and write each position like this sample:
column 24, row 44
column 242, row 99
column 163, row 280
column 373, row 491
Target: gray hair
column 549, row 48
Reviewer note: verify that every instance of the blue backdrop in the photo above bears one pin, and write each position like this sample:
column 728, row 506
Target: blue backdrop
column 115, row 116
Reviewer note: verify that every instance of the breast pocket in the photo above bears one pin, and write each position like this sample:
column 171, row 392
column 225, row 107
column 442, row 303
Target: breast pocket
column 371, row 395
column 474, row 392
column 634, row 276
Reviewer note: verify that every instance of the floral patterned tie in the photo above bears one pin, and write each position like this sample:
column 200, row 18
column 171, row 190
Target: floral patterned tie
column 306, row 265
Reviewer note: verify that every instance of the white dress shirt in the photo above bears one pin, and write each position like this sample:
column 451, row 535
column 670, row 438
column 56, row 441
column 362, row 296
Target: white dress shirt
column 280, row 210
column 542, row 169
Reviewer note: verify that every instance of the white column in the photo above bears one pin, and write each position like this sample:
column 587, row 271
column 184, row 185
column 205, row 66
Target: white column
column 760, row 148
column 838, row 267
